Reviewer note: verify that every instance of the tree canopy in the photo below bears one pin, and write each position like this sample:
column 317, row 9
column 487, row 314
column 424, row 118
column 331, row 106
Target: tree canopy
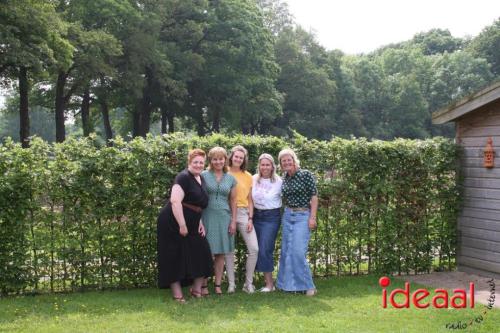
column 121, row 67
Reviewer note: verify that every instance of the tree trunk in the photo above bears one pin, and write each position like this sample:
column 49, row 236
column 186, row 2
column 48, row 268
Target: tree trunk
column 60, row 106
column 171, row 128
column 85, row 111
column 105, row 119
column 200, row 123
column 136, row 119
column 167, row 120
column 164, row 119
column 24, row 119
column 216, row 120
column 147, row 104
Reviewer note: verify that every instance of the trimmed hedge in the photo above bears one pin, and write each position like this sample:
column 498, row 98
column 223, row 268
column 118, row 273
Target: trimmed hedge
column 77, row 215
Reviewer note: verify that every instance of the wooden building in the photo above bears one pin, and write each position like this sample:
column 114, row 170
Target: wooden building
column 477, row 118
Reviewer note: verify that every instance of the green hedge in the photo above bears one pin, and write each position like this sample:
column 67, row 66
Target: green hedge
column 77, row 215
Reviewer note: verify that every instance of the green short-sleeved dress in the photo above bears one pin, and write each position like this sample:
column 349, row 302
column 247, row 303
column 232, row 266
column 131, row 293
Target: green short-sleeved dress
column 217, row 216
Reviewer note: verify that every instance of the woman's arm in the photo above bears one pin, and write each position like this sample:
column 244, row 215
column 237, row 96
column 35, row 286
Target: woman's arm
column 250, row 211
column 201, row 229
column 234, row 210
column 176, row 201
column 314, row 210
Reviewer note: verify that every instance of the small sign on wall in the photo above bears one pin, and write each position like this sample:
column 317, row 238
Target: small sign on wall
column 489, row 154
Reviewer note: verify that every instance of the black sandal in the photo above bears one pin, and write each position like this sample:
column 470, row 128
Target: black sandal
column 220, row 289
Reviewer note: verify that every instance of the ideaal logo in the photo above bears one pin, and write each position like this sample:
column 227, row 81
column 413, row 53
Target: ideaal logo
column 440, row 300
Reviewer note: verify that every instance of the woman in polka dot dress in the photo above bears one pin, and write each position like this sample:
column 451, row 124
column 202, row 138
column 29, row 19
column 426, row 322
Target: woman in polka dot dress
column 299, row 194
column 219, row 217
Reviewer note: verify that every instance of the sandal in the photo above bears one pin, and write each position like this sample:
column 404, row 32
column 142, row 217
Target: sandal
column 195, row 294
column 219, row 291
column 204, row 291
column 179, row 299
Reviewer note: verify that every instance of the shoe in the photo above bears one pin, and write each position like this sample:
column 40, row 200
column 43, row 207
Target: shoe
column 231, row 289
column 179, row 299
column 311, row 292
column 266, row 289
column 204, row 291
column 217, row 289
column 249, row 289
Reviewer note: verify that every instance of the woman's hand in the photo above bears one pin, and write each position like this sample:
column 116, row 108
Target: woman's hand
column 183, row 230
column 312, row 222
column 232, row 228
column 249, row 226
column 201, row 229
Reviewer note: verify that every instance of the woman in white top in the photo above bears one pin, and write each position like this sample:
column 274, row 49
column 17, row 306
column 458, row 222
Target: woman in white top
column 266, row 197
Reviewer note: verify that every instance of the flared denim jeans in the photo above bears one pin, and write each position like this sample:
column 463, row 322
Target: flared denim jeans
column 294, row 273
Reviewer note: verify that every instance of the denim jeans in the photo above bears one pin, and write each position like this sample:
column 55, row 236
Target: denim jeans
column 294, row 273
column 266, row 224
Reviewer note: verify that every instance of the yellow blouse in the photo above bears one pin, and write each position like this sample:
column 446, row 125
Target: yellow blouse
column 243, row 187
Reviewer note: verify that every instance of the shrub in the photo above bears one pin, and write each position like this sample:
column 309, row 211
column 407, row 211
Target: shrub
column 77, row 215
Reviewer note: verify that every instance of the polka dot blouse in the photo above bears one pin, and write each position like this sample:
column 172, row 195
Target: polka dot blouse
column 298, row 189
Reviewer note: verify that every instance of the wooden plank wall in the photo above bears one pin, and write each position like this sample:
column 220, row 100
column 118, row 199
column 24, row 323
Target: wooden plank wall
column 479, row 221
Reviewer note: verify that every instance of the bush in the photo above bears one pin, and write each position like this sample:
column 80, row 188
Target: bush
column 77, row 215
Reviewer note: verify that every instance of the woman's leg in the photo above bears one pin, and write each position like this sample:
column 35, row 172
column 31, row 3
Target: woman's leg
column 250, row 239
column 285, row 266
column 197, row 283
column 219, row 269
column 299, row 247
column 229, row 258
column 268, row 277
column 266, row 223
column 176, row 290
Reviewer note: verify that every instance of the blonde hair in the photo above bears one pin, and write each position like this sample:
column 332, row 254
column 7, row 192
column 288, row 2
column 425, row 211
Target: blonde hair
column 214, row 153
column 194, row 153
column 273, row 172
column 288, row 151
column 242, row 149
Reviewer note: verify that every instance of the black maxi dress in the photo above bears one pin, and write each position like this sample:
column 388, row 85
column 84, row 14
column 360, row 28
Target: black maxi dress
column 183, row 258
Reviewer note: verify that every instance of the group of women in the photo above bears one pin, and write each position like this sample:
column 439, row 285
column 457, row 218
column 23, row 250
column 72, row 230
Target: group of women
column 197, row 227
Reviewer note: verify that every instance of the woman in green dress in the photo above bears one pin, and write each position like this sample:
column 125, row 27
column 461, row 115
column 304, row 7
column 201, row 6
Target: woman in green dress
column 219, row 218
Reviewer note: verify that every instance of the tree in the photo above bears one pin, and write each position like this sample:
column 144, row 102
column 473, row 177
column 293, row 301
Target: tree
column 33, row 38
column 407, row 111
column 237, row 79
column 487, row 45
column 95, row 49
column 277, row 17
column 436, row 41
column 41, row 120
column 372, row 94
column 309, row 92
column 455, row 76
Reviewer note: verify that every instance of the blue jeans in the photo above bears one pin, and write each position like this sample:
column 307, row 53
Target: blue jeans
column 294, row 273
column 266, row 224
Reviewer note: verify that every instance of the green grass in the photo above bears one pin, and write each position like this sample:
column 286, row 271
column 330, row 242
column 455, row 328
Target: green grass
column 345, row 304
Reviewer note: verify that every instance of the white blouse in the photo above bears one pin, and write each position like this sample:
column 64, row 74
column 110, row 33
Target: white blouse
column 266, row 194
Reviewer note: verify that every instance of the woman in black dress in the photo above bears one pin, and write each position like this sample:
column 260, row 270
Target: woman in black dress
column 184, row 256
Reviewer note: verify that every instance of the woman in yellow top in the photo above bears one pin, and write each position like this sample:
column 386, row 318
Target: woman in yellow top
column 238, row 162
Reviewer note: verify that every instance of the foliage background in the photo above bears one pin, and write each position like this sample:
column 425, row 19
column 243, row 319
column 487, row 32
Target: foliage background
column 114, row 67
column 77, row 215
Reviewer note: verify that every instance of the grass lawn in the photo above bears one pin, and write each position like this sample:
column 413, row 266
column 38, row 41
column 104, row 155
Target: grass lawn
column 346, row 304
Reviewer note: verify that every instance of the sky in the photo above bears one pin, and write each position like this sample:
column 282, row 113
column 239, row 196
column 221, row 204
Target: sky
column 361, row 26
